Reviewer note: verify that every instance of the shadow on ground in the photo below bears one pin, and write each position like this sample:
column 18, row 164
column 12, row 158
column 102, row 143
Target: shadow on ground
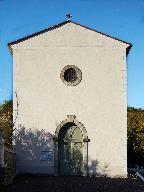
column 29, row 183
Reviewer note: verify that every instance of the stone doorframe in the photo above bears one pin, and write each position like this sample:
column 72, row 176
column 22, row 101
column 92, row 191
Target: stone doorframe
column 72, row 119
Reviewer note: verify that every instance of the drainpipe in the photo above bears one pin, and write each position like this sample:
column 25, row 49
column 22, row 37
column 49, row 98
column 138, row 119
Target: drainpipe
column 86, row 140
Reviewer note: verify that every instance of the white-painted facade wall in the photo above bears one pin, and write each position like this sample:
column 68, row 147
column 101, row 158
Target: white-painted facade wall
column 99, row 101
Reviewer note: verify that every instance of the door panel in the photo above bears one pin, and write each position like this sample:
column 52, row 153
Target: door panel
column 70, row 149
column 64, row 158
column 76, row 159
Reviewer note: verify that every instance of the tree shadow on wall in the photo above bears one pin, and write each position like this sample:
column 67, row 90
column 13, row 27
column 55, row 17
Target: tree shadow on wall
column 92, row 167
column 30, row 143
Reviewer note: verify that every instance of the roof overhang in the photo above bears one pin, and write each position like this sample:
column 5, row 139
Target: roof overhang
column 129, row 45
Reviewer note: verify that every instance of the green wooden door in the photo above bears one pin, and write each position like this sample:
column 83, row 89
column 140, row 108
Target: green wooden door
column 70, row 150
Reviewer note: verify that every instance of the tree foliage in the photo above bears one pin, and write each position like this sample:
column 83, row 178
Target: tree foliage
column 6, row 122
column 135, row 135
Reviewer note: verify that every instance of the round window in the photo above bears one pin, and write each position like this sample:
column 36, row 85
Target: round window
column 71, row 75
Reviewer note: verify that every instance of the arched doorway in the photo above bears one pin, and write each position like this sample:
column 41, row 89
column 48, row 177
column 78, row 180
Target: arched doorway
column 70, row 150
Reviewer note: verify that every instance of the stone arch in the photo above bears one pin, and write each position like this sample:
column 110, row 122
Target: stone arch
column 72, row 119
column 86, row 140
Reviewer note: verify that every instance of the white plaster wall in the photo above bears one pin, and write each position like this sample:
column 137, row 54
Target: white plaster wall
column 99, row 101
column 69, row 35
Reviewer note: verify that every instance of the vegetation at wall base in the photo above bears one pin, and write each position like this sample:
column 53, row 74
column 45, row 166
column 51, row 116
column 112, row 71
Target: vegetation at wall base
column 6, row 122
column 135, row 143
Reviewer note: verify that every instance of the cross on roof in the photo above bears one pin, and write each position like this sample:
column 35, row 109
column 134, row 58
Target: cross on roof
column 69, row 16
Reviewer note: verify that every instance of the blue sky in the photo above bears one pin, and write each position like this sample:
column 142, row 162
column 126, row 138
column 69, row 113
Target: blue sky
column 123, row 19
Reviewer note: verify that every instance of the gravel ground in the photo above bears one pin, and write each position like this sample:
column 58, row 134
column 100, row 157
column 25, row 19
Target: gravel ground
column 73, row 184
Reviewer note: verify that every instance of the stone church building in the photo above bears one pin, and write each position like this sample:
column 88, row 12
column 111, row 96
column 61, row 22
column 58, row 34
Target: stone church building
column 70, row 102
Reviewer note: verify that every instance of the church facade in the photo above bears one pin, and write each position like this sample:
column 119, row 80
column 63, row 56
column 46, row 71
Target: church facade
column 70, row 102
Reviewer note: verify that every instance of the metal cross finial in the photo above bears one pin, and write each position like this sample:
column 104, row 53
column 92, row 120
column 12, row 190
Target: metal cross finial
column 69, row 16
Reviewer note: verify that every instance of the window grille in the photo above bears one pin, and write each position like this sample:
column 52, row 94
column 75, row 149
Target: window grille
column 70, row 75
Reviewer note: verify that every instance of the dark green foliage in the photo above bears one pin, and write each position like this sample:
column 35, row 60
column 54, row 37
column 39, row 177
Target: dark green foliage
column 135, row 135
column 6, row 121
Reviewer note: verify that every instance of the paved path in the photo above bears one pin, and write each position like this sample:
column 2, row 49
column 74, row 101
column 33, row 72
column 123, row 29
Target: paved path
column 73, row 184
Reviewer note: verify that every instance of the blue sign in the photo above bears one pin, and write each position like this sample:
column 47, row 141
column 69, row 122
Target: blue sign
column 46, row 155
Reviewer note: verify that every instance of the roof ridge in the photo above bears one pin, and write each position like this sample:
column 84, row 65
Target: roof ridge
column 59, row 25
column 39, row 32
column 101, row 33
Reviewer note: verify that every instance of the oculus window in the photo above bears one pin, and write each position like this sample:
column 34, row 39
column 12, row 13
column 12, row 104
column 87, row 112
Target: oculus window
column 71, row 75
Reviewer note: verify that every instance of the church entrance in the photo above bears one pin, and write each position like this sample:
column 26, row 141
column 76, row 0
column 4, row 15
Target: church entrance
column 70, row 150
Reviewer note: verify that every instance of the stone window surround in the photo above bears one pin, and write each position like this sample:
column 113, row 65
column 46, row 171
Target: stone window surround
column 78, row 73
